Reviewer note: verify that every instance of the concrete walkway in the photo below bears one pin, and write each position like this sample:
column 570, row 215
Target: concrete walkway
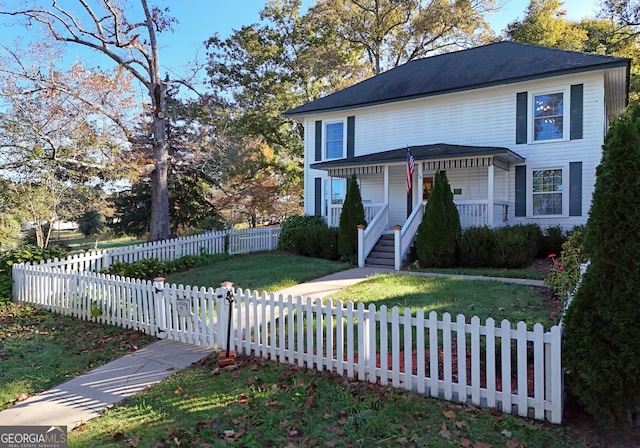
column 87, row 396
column 324, row 286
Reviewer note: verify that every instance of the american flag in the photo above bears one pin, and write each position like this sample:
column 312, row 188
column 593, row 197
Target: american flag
column 411, row 165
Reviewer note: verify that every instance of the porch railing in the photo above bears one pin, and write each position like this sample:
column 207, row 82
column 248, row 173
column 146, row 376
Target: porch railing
column 404, row 236
column 370, row 211
column 476, row 213
column 368, row 237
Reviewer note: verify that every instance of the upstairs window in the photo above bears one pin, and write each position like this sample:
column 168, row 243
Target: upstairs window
column 548, row 116
column 334, row 140
column 547, row 192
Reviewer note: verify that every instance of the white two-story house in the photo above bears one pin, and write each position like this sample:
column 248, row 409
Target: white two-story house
column 518, row 129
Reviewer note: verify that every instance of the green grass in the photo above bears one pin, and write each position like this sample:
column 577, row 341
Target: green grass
column 77, row 241
column 259, row 403
column 488, row 272
column 39, row 349
column 482, row 298
column 269, row 271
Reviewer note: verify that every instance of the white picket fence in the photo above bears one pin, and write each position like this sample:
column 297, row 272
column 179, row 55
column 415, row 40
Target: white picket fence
column 227, row 241
column 515, row 370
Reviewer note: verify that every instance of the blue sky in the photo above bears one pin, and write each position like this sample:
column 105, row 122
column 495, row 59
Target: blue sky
column 200, row 19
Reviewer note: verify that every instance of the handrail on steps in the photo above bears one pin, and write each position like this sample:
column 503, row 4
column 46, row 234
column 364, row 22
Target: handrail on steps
column 367, row 238
column 403, row 236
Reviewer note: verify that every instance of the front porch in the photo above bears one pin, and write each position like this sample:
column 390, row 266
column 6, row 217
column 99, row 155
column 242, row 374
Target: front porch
column 479, row 179
column 472, row 213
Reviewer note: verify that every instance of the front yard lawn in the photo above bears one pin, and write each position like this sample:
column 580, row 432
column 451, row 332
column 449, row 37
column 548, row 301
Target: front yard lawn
column 39, row 349
column 260, row 403
column 482, row 298
column 268, row 271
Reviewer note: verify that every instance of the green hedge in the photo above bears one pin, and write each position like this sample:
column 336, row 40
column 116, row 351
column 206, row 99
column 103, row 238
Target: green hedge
column 505, row 247
column 290, row 225
column 316, row 240
column 150, row 268
column 27, row 253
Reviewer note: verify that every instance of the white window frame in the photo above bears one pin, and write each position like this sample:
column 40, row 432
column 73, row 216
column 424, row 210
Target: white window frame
column 333, row 190
column 565, row 190
column 566, row 109
column 324, row 138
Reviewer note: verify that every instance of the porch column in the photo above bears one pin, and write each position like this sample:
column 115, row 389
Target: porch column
column 386, row 184
column 490, row 205
column 419, row 188
column 329, row 195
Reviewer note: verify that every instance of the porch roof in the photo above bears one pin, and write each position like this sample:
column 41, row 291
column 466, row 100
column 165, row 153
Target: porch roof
column 451, row 156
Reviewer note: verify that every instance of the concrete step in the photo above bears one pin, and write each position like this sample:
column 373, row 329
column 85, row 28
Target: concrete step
column 387, row 262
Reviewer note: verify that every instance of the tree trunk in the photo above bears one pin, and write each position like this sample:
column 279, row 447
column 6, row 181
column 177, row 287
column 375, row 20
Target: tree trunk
column 160, row 228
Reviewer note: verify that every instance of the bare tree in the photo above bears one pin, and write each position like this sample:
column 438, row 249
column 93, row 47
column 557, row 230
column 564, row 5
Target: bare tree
column 105, row 26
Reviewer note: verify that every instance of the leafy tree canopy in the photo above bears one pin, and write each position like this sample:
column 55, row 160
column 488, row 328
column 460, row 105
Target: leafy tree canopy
column 392, row 32
column 545, row 24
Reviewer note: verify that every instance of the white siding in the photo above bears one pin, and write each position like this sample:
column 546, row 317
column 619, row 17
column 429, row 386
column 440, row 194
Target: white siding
column 587, row 150
column 397, row 195
column 372, row 189
column 484, row 117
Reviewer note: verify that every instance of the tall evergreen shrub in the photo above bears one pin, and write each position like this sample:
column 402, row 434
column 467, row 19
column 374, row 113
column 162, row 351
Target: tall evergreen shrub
column 439, row 231
column 602, row 324
column 351, row 217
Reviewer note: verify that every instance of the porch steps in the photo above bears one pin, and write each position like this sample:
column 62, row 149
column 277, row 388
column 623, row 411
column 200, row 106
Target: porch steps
column 382, row 253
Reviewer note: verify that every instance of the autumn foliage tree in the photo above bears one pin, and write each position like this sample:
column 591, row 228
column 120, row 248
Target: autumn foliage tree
column 392, row 32
column 277, row 64
column 51, row 140
column 545, row 24
column 129, row 39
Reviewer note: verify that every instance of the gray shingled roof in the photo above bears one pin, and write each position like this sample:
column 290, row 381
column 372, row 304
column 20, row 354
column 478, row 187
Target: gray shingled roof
column 494, row 64
column 423, row 152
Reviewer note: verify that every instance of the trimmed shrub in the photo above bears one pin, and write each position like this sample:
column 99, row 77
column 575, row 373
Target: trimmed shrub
column 317, row 241
column 26, row 253
column 150, row 268
column 351, row 217
column 516, row 246
column 439, row 231
column 477, row 246
column 289, row 226
column 552, row 240
column 602, row 324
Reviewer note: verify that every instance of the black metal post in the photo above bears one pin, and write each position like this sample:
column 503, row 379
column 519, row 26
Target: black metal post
column 229, row 299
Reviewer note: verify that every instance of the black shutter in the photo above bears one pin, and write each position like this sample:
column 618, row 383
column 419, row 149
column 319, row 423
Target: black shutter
column 521, row 118
column 521, row 191
column 576, row 112
column 318, row 140
column 575, row 189
column 351, row 128
column 318, row 196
